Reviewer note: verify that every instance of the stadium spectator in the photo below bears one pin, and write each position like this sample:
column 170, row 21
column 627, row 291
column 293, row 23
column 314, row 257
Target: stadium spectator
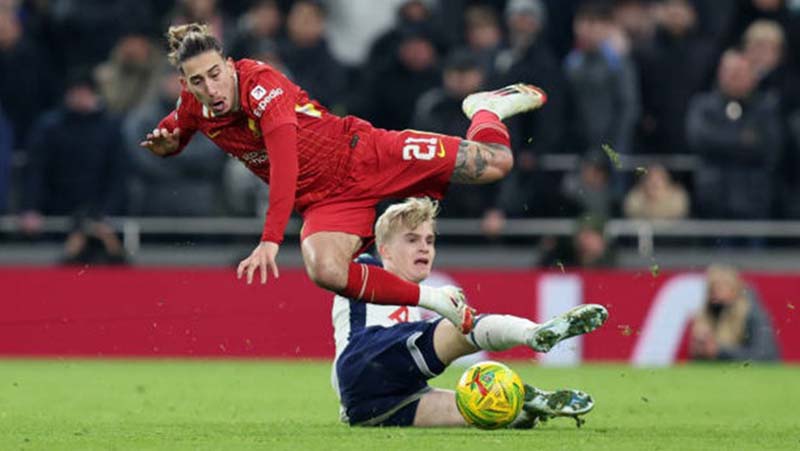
column 354, row 25
column 484, row 36
column 26, row 86
column 656, row 196
column 439, row 109
column 763, row 45
column 587, row 248
column 76, row 168
column 207, row 12
column 747, row 12
column 678, row 42
column 305, row 52
column 131, row 75
column 269, row 52
column 527, row 192
column 6, row 149
column 603, row 81
column 737, row 132
column 790, row 192
column 588, row 191
column 87, row 30
column 186, row 185
column 528, row 57
column 732, row 324
column 411, row 14
column 262, row 22
column 636, row 22
column 392, row 91
column 386, row 354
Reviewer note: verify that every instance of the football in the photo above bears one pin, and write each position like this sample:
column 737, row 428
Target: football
column 489, row 395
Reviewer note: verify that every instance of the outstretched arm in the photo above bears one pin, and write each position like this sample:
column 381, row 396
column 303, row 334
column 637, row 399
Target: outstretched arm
column 170, row 136
column 281, row 144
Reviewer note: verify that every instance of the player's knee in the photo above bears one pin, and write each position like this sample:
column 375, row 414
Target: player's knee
column 327, row 274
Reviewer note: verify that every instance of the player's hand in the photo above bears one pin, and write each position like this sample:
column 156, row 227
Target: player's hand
column 162, row 142
column 261, row 259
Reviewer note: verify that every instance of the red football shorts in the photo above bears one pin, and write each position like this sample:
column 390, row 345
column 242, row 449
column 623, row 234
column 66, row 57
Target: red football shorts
column 386, row 165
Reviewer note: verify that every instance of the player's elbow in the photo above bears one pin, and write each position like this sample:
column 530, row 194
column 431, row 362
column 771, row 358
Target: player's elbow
column 503, row 161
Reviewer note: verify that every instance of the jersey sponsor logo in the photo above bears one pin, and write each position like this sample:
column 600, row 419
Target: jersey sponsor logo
column 258, row 92
column 262, row 105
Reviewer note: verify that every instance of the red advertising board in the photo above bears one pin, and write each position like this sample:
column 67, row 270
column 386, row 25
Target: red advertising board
column 207, row 312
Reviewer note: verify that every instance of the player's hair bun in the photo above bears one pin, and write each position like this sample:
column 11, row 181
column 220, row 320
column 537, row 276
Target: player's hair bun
column 186, row 41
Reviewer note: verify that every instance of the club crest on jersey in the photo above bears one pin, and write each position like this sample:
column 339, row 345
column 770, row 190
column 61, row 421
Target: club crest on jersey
column 262, row 105
column 258, row 92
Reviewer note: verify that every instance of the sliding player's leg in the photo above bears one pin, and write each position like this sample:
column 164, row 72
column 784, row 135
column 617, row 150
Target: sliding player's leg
column 499, row 333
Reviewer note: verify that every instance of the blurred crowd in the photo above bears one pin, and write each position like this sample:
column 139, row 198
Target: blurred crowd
column 82, row 81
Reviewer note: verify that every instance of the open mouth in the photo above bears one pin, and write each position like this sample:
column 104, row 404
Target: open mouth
column 218, row 106
column 421, row 261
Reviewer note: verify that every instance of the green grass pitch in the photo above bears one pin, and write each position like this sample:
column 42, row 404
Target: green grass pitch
column 237, row 405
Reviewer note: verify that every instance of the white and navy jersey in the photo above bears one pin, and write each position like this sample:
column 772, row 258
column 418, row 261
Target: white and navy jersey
column 350, row 317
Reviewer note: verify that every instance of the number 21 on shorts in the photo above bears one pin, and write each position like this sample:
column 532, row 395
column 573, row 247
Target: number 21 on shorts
column 420, row 148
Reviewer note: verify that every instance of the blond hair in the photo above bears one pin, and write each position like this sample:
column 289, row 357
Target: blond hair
column 410, row 213
column 192, row 39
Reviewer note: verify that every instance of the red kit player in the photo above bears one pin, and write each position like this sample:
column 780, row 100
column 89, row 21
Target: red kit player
column 332, row 170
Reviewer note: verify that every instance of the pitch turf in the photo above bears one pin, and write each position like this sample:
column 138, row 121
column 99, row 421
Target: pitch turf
column 219, row 405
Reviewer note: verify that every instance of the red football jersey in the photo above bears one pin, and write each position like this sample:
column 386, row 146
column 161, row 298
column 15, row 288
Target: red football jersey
column 267, row 100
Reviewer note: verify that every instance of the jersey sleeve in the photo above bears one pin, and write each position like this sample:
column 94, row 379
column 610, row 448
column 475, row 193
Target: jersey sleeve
column 281, row 145
column 180, row 118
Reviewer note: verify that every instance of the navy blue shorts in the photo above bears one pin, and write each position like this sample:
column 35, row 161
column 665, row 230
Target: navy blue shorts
column 384, row 371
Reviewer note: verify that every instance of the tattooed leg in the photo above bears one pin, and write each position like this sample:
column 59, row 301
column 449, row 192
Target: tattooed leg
column 478, row 163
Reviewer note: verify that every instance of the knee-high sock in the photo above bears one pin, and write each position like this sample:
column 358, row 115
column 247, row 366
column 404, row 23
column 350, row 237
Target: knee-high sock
column 375, row 285
column 500, row 332
column 487, row 128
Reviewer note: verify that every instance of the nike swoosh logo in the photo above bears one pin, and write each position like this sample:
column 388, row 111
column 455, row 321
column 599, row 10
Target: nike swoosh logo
column 214, row 134
column 441, row 153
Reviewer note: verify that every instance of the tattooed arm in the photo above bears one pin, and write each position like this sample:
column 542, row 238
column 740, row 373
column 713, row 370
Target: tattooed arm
column 478, row 163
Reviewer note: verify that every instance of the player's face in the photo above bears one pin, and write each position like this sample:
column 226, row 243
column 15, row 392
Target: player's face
column 410, row 253
column 211, row 79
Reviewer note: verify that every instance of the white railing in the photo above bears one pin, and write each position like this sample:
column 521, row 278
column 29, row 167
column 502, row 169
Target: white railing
column 645, row 232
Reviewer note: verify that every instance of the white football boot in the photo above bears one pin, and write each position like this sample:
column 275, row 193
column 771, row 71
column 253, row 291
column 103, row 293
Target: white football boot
column 577, row 321
column 544, row 405
column 505, row 102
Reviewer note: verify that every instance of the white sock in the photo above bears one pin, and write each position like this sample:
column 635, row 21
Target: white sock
column 500, row 332
column 432, row 298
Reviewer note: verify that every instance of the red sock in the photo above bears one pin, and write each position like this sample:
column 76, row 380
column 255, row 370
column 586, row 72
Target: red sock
column 487, row 128
column 375, row 285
